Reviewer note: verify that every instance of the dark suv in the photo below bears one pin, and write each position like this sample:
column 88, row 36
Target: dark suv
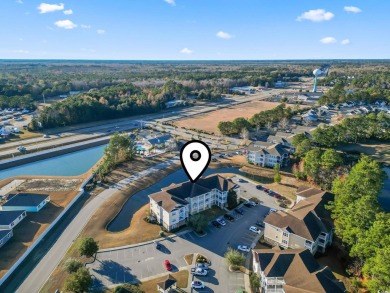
column 239, row 211
column 228, row 217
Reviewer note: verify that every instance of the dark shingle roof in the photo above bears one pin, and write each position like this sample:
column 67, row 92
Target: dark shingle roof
column 167, row 283
column 160, row 139
column 174, row 196
column 299, row 269
column 25, row 199
column 7, row 217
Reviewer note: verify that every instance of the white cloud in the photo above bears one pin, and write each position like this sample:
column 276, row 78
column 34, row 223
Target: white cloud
column 100, row 31
column 345, row 42
column 171, row 2
column 316, row 15
column 224, row 35
column 186, row 51
column 328, row 40
column 352, row 9
column 22, row 51
column 85, row 26
column 19, row 1
column 68, row 12
column 46, row 8
column 66, row 24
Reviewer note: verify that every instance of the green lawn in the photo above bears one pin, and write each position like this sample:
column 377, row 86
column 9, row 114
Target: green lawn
column 213, row 213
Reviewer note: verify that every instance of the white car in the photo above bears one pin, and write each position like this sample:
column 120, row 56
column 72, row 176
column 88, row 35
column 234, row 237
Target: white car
column 202, row 266
column 254, row 229
column 199, row 272
column 222, row 222
column 272, row 210
column 252, row 203
column 197, row 285
column 243, row 248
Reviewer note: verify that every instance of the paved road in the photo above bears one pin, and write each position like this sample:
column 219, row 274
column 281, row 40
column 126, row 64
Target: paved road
column 8, row 149
column 139, row 262
column 48, row 263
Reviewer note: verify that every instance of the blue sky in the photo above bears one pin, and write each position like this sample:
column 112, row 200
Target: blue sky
column 194, row 29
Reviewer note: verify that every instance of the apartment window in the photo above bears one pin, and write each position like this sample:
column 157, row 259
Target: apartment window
column 174, row 214
column 12, row 224
column 285, row 234
column 174, row 220
column 284, row 242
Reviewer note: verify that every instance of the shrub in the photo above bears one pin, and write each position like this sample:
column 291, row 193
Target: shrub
column 71, row 265
column 88, row 247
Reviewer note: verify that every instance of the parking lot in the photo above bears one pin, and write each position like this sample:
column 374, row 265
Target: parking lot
column 143, row 261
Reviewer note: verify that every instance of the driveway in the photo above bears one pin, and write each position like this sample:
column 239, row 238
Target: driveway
column 143, row 261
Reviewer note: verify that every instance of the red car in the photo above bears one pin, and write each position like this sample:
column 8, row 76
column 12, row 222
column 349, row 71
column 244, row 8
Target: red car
column 167, row 265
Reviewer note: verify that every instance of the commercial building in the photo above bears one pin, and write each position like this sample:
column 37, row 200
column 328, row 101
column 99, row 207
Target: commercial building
column 9, row 219
column 173, row 205
column 25, row 201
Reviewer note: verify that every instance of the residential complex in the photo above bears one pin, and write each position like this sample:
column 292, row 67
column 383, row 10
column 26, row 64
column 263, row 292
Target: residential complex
column 307, row 225
column 268, row 154
column 25, row 201
column 173, row 205
column 293, row 271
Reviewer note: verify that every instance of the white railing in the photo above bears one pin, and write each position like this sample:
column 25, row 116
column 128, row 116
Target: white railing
column 31, row 248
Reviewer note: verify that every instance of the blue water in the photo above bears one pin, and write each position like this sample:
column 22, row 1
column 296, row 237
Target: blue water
column 384, row 197
column 71, row 164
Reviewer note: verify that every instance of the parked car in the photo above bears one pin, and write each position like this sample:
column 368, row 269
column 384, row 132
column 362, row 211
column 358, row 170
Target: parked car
column 243, row 248
column 254, row 229
column 252, row 203
column 197, row 285
column 221, row 222
column 157, row 245
column 259, row 187
column 228, row 217
column 167, row 265
column 260, row 224
column 272, row 210
column 199, row 272
column 202, row 266
column 214, row 160
column 221, row 156
column 241, row 180
column 276, row 195
column 247, row 204
column 216, row 224
column 239, row 211
column 46, row 136
column 283, row 205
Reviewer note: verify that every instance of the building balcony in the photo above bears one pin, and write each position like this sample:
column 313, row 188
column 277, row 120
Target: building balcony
column 277, row 281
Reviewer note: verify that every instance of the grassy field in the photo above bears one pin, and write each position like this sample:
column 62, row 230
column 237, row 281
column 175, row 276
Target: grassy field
column 209, row 121
column 380, row 151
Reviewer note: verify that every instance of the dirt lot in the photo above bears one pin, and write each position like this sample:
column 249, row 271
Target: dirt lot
column 32, row 227
column 209, row 121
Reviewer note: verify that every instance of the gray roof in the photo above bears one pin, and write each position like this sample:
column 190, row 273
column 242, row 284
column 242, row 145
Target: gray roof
column 25, row 199
column 3, row 233
column 174, row 196
column 299, row 269
column 160, row 139
column 7, row 217
column 274, row 149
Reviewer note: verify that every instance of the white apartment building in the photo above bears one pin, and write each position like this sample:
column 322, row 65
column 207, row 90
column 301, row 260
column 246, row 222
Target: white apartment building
column 306, row 226
column 268, row 154
column 173, row 205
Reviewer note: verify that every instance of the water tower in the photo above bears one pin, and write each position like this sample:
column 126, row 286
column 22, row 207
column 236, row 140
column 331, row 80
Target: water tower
column 317, row 72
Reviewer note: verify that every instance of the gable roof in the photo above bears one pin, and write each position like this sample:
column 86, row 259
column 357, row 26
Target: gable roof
column 272, row 149
column 299, row 269
column 25, row 199
column 307, row 219
column 167, row 283
column 160, row 139
column 174, row 196
column 7, row 217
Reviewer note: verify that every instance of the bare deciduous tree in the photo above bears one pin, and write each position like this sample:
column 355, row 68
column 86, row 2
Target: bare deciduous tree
column 245, row 133
column 283, row 123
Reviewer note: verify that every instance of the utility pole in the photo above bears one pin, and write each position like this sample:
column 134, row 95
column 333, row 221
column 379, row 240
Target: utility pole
column 44, row 101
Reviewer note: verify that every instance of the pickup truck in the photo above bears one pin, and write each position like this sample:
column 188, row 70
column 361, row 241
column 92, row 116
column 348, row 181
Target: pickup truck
column 198, row 272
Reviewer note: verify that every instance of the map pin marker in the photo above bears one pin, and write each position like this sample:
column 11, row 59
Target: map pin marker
column 195, row 157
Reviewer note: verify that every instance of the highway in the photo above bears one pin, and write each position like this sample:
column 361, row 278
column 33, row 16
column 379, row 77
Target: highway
column 9, row 151
column 42, row 271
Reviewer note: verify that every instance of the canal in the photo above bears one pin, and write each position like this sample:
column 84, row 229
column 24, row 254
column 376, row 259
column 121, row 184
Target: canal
column 71, row 164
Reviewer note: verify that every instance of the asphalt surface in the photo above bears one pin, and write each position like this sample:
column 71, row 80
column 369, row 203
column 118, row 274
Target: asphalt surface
column 143, row 261
column 42, row 271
